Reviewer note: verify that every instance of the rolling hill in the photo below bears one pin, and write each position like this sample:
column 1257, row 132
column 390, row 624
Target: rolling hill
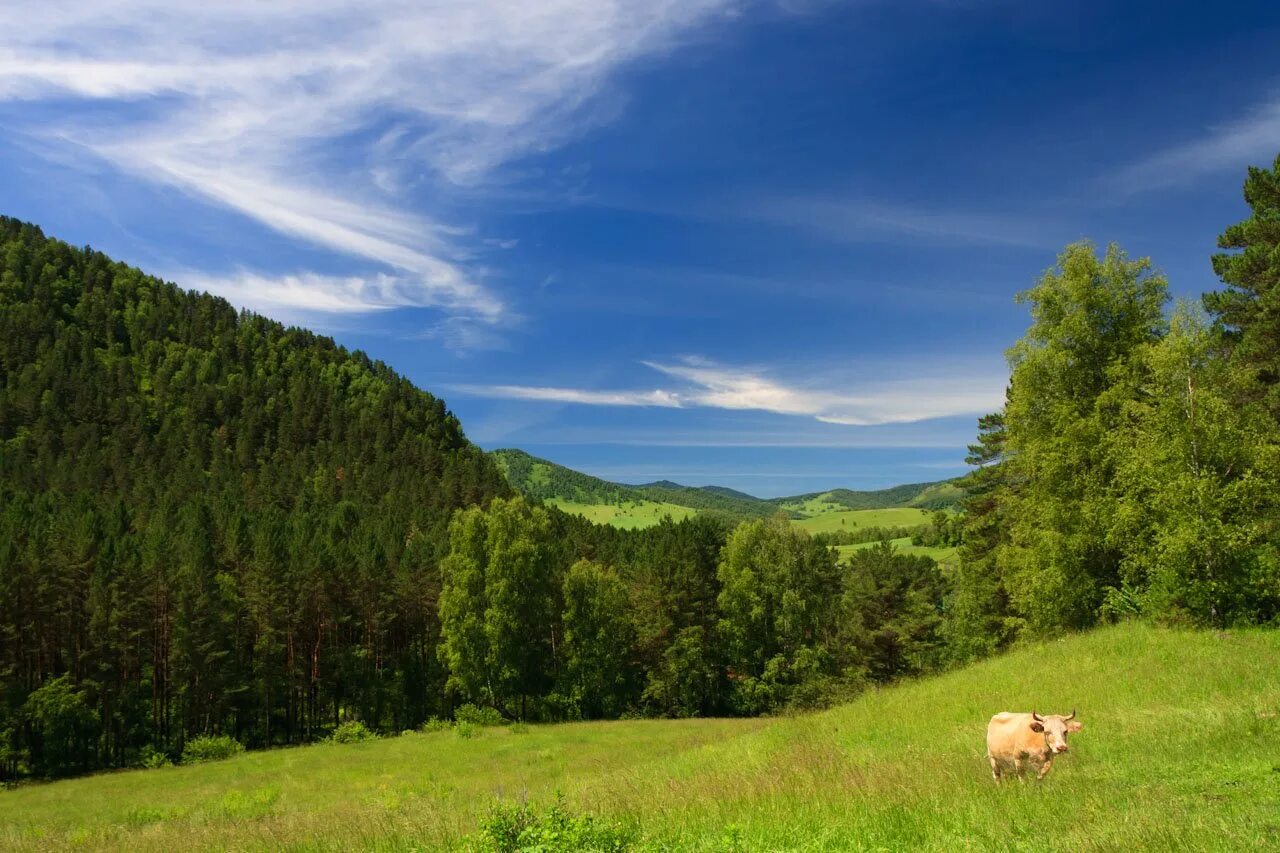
column 1177, row 753
column 942, row 494
column 625, row 505
column 577, row 492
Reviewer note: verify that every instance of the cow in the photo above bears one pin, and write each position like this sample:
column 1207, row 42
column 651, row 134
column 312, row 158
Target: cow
column 1016, row 741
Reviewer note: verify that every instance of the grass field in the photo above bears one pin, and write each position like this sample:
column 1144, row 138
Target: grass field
column 834, row 518
column 945, row 555
column 1179, row 752
column 630, row 515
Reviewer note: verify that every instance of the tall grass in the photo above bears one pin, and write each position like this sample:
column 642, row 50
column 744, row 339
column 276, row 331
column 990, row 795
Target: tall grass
column 1180, row 751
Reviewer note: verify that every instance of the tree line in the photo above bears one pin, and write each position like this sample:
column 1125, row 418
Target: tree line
column 212, row 524
column 1134, row 470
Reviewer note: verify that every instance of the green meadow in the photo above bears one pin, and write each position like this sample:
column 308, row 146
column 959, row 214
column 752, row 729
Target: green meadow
column 629, row 515
column 1179, row 752
column 826, row 518
column 945, row 555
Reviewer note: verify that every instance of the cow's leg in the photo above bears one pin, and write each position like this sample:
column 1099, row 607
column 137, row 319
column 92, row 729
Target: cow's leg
column 1045, row 767
column 1019, row 768
column 995, row 768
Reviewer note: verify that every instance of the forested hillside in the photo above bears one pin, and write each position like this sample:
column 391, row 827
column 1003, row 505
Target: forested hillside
column 943, row 494
column 210, row 522
column 217, row 526
column 543, row 480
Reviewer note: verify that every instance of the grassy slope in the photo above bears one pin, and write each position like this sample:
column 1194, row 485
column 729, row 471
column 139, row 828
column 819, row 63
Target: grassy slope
column 821, row 518
column 938, row 495
column 629, row 515
column 1179, row 752
column 945, row 555
column 618, row 504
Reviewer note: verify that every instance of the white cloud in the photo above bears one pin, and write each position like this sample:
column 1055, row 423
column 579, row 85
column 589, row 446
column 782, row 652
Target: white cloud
column 1251, row 140
column 707, row 385
column 656, row 397
column 859, row 220
column 305, row 291
column 316, row 117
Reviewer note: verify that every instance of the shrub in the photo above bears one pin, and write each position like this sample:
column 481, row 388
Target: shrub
column 62, row 719
column 352, row 731
column 469, row 713
column 210, row 748
column 151, row 758
column 466, row 730
column 519, row 728
column 510, row 828
column 435, row 724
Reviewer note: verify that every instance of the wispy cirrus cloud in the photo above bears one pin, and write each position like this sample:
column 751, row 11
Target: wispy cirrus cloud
column 853, row 219
column 704, row 384
column 321, row 119
column 1249, row 140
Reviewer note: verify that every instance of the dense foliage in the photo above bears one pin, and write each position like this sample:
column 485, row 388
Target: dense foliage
column 211, row 523
column 1135, row 468
column 544, row 616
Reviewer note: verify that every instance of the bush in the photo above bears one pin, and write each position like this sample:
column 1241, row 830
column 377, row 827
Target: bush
column 63, row 723
column 510, row 828
column 151, row 758
column 519, row 728
column 210, row 748
column 466, row 730
column 435, row 724
column 353, row 731
column 469, row 713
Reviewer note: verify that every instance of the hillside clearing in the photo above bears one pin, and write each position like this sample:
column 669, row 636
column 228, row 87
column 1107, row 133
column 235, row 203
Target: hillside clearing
column 945, row 555
column 827, row 518
column 1178, row 752
column 628, row 515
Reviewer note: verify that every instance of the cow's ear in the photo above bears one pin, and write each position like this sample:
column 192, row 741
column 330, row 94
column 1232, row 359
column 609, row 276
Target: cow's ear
column 1037, row 727
column 1073, row 726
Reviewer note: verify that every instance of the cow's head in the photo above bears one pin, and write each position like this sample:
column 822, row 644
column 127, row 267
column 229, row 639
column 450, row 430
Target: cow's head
column 1055, row 728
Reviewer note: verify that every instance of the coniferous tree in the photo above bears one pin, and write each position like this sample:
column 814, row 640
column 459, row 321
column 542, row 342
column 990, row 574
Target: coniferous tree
column 1248, row 309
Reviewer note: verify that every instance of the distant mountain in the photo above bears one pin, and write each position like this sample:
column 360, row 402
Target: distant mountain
column 941, row 494
column 732, row 493
column 662, row 484
column 545, row 480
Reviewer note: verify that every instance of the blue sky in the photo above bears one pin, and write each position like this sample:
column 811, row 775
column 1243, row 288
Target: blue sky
column 771, row 245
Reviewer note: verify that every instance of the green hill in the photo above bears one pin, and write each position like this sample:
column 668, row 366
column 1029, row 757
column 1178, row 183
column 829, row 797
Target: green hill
column 591, row 496
column 942, row 494
column 208, row 521
column 1177, row 753
column 642, row 505
column 731, row 493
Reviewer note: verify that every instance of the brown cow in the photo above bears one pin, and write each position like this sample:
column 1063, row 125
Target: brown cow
column 1015, row 741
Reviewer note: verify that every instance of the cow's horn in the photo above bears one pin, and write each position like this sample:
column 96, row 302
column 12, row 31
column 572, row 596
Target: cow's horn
column 1073, row 714
column 1037, row 717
